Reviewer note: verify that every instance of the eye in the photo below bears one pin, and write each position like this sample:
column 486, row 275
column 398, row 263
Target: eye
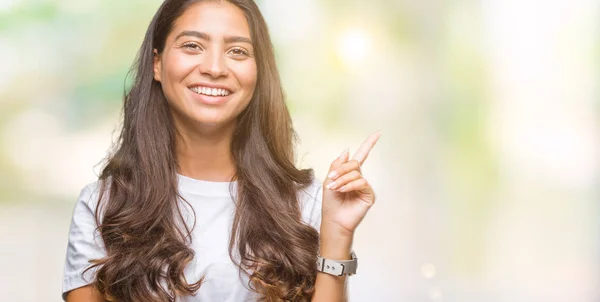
column 191, row 46
column 238, row 51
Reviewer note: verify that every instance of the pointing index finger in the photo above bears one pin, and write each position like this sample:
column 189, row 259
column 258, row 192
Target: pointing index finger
column 362, row 152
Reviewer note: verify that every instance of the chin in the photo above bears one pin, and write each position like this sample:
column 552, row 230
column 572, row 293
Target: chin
column 211, row 122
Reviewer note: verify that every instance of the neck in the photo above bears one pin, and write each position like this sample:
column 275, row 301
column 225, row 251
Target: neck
column 207, row 155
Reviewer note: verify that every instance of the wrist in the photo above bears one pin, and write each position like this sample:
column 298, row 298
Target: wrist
column 334, row 230
column 335, row 246
column 338, row 268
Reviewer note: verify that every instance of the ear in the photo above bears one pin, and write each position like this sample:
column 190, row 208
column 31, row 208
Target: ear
column 157, row 68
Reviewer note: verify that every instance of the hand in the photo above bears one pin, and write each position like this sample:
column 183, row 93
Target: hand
column 347, row 196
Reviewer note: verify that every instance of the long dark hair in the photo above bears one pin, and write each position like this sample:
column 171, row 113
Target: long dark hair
column 140, row 222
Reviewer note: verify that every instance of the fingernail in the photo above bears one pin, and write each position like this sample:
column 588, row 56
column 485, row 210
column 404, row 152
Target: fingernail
column 342, row 155
column 332, row 175
column 342, row 189
column 330, row 185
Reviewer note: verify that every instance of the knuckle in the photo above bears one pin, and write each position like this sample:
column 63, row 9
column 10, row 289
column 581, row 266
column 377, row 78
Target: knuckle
column 353, row 165
column 355, row 174
column 342, row 178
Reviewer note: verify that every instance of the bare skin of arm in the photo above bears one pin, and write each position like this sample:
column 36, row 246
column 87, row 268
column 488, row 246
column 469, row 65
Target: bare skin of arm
column 85, row 294
column 347, row 197
column 328, row 287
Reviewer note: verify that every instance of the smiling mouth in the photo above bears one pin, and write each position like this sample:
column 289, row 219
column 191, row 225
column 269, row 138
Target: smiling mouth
column 210, row 91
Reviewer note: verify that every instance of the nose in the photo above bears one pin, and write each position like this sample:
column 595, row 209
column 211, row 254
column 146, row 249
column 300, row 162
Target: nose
column 214, row 64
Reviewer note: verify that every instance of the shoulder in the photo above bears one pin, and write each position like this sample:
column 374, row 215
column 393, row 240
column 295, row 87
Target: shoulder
column 310, row 198
column 84, row 242
column 89, row 196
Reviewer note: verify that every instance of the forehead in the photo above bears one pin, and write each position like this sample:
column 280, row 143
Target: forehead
column 214, row 18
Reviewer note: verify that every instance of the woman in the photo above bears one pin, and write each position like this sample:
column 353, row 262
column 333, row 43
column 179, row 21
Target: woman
column 201, row 200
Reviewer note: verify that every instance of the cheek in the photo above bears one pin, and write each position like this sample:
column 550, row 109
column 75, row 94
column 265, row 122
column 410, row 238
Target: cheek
column 248, row 77
column 176, row 68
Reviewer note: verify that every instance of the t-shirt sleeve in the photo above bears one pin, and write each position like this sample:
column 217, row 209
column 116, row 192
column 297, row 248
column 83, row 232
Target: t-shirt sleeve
column 311, row 200
column 84, row 242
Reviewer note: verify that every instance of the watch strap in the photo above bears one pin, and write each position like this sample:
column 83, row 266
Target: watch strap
column 338, row 267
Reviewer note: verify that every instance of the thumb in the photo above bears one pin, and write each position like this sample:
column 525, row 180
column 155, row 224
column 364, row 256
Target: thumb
column 339, row 161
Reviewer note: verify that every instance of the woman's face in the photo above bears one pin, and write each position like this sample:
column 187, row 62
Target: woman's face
column 207, row 70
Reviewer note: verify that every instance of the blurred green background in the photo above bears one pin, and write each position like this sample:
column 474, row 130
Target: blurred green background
column 487, row 171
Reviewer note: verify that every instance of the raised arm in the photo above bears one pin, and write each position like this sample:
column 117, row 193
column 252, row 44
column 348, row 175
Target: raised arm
column 347, row 197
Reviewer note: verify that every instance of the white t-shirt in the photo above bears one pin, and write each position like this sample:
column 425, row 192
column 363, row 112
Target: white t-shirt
column 214, row 209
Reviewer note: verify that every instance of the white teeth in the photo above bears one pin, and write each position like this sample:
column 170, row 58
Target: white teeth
column 210, row 91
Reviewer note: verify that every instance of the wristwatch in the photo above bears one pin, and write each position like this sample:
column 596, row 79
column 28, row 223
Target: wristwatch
column 338, row 267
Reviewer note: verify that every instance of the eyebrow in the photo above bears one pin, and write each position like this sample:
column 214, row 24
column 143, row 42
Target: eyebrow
column 205, row 36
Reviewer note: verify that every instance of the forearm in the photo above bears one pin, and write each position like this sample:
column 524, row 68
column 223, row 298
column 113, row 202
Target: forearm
column 336, row 246
column 85, row 294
